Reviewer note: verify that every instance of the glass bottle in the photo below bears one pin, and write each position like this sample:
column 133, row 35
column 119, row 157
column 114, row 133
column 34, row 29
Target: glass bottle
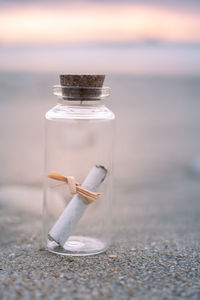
column 78, row 143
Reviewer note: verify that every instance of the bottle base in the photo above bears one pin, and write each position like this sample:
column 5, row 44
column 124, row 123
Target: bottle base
column 77, row 246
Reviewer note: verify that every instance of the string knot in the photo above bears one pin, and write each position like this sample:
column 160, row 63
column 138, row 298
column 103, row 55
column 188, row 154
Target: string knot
column 75, row 188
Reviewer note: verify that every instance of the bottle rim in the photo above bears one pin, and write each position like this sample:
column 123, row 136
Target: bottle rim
column 81, row 93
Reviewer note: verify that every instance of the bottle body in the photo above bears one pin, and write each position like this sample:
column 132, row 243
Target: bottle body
column 78, row 143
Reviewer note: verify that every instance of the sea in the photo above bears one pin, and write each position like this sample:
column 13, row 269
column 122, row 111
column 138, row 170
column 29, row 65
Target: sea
column 157, row 136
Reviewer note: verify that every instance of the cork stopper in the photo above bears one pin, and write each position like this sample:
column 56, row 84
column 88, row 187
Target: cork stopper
column 82, row 80
column 83, row 87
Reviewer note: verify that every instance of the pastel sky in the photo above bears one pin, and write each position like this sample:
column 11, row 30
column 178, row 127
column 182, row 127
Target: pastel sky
column 97, row 21
column 108, row 36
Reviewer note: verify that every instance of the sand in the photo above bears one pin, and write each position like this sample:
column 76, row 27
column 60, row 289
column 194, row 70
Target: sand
column 154, row 255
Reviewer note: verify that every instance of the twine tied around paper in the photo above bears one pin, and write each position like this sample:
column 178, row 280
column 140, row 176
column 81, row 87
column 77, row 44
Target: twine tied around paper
column 75, row 188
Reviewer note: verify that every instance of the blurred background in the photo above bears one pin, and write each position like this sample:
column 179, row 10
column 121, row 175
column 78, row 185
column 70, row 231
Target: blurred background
column 150, row 51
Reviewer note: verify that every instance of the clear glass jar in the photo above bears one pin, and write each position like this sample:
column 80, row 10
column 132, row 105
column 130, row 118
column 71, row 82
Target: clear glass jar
column 78, row 142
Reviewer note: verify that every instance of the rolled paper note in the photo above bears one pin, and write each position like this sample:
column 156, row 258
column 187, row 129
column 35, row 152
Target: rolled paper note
column 68, row 220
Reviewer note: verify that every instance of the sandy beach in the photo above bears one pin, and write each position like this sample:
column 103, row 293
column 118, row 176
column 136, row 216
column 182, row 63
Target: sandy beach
column 154, row 254
column 149, row 52
column 156, row 245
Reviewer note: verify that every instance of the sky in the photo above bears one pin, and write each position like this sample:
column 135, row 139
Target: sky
column 67, row 31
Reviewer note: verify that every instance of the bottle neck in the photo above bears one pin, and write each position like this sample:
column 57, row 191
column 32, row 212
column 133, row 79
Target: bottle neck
column 81, row 96
column 81, row 103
